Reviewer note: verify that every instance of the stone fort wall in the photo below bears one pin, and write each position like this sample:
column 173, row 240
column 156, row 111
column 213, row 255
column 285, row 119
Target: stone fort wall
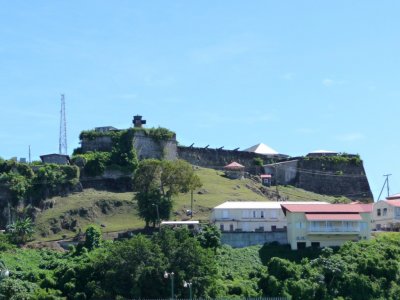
column 218, row 158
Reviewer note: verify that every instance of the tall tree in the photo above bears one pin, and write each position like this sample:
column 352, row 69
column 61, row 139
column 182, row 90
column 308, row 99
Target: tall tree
column 156, row 182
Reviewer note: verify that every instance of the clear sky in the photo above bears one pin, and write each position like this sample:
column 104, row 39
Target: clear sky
column 296, row 75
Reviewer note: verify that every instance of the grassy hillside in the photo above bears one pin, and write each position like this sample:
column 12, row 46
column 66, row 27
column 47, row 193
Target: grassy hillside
column 117, row 211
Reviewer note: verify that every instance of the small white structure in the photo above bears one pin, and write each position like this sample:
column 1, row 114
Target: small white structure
column 386, row 214
column 262, row 149
column 251, row 216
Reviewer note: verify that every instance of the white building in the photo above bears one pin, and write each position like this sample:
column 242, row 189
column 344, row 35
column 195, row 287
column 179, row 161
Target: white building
column 386, row 214
column 250, row 216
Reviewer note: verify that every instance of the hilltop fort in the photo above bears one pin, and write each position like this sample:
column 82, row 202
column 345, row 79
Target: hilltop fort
column 324, row 172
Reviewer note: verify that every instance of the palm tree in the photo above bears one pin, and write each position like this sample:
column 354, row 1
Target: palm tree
column 22, row 230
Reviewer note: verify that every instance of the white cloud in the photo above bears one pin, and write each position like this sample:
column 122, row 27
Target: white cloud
column 288, row 76
column 328, row 82
column 306, row 130
column 214, row 119
column 127, row 96
column 228, row 49
column 350, row 137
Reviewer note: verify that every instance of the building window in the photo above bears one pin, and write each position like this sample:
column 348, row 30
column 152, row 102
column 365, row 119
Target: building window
column 299, row 225
column 363, row 225
column 378, row 212
column 225, row 214
column 262, row 214
column 315, row 245
column 384, row 213
column 221, row 227
column 301, row 245
column 231, row 227
column 254, row 214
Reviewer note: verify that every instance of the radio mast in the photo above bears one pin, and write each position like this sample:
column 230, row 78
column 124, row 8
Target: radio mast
column 62, row 145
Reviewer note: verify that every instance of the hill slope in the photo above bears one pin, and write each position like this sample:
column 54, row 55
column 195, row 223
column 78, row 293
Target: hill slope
column 117, row 211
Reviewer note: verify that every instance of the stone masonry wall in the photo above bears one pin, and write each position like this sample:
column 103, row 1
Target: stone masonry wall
column 148, row 147
column 330, row 178
column 102, row 143
column 218, row 158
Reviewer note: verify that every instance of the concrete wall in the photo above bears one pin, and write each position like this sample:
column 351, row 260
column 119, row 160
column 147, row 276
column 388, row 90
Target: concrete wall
column 282, row 172
column 245, row 239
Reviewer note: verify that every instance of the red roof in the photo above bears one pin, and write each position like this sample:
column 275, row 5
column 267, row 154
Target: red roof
column 327, row 208
column 392, row 197
column 265, row 176
column 234, row 165
column 333, row 217
column 393, row 202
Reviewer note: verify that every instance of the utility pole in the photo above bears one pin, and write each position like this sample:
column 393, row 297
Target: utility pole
column 386, row 182
column 276, row 184
column 29, row 154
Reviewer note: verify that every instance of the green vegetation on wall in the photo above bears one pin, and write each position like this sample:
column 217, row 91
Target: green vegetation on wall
column 342, row 158
column 28, row 184
column 158, row 133
column 122, row 156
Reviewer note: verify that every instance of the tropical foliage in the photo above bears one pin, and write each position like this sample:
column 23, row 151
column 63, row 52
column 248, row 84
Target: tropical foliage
column 134, row 268
column 156, row 182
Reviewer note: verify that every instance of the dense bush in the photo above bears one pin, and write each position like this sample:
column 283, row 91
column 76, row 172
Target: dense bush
column 26, row 185
column 134, row 269
column 122, row 156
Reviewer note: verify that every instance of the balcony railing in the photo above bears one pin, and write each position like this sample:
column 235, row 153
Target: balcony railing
column 334, row 229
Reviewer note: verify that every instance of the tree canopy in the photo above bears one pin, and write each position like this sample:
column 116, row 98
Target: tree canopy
column 157, row 181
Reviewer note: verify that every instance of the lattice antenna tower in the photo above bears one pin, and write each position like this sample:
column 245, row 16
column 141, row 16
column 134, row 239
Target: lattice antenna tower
column 62, row 145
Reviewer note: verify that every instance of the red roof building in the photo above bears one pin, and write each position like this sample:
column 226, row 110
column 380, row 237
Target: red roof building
column 326, row 225
column 234, row 170
column 234, row 166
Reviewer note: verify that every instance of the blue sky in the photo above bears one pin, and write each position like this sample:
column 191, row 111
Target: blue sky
column 296, row 75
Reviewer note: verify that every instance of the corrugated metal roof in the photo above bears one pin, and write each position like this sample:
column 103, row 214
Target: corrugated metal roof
column 257, row 205
column 333, row 217
column 328, row 208
column 392, row 197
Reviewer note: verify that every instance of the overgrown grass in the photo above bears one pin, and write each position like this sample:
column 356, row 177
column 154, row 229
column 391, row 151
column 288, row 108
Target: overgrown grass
column 294, row 194
column 216, row 190
column 122, row 217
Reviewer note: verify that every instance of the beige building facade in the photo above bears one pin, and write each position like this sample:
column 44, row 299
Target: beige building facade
column 249, row 216
column 326, row 225
column 386, row 215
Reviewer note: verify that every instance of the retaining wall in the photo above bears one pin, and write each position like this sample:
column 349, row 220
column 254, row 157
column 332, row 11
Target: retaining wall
column 245, row 239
